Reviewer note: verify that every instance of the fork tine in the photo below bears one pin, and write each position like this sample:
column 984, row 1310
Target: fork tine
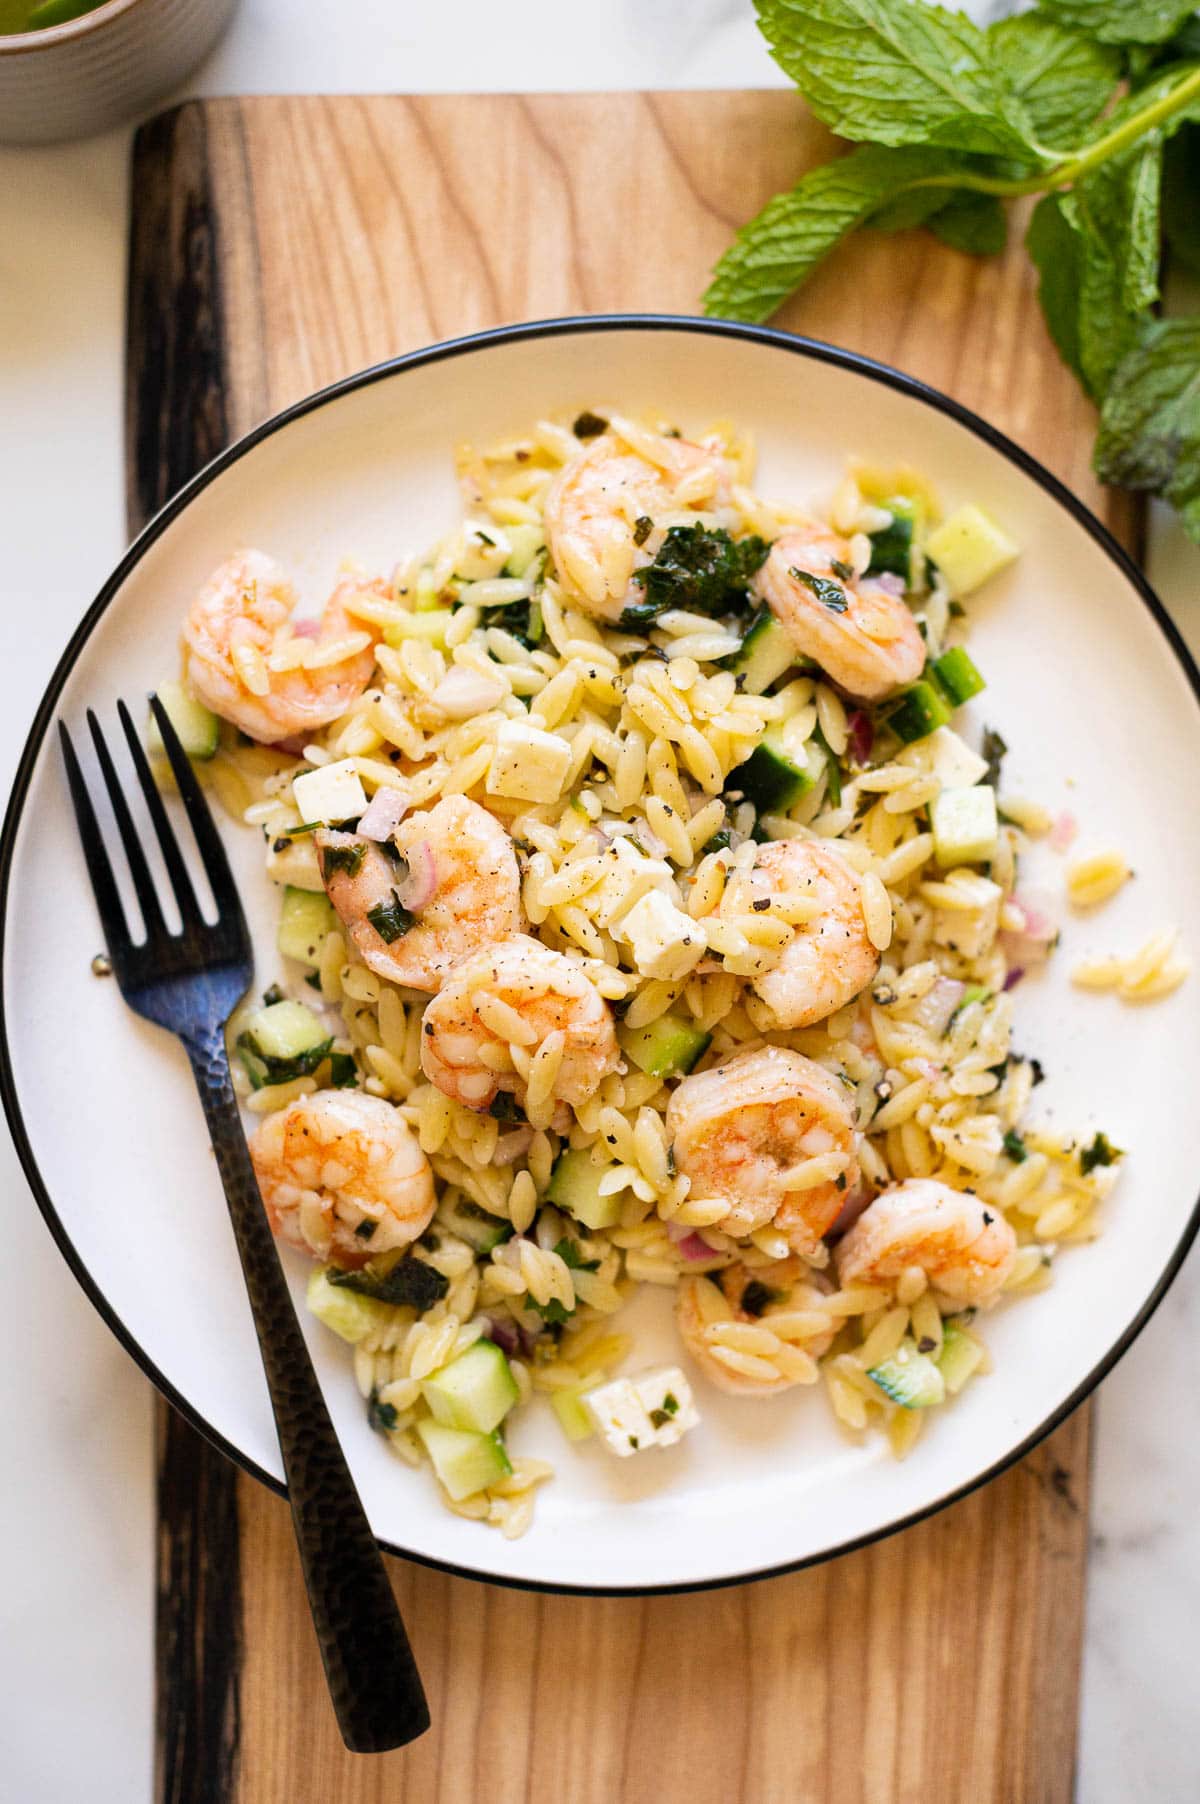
column 181, row 883
column 216, row 864
column 108, row 899
column 139, row 870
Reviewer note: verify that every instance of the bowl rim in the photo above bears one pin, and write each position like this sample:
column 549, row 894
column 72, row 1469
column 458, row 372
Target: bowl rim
column 794, row 344
column 14, row 43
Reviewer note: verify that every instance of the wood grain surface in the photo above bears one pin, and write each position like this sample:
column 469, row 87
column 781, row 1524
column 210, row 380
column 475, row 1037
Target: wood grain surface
column 279, row 244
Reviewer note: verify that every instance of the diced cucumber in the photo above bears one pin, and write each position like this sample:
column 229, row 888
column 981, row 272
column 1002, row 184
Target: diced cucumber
column 475, row 1391
column 777, row 772
column 968, row 549
column 669, row 1047
column 527, row 543
column 197, row 727
column 464, row 1462
column 764, row 654
column 909, row 1378
column 575, row 1186
column 891, row 546
column 957, row 676
column 961, row 1355
column 460, row 1216
column 573, row 1418
column 284, row 1030
column 922, row 709
column 964, row 825
column 348, row 1314
column 304, row 920
column 428, row 623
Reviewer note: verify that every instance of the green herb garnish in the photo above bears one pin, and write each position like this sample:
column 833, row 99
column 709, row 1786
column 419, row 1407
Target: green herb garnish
column 643, row 526
column 589, row 425
column 390, row 919
column 1014, row 1146
column 700, row 568
column 1100, row 1152
column 382, row 1417
column 992, row 751
column 410, row 1282
column 348, row 859
column 1081, row 102
column 568, row 1252
column 831, row 595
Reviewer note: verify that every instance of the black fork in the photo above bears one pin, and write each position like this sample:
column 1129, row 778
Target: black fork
column 190, row 982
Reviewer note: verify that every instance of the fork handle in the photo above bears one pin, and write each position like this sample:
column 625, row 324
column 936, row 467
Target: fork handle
column 373, row 1679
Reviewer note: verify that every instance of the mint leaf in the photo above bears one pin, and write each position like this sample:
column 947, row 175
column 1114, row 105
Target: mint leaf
column 898, row 72
column 1180, row 189
column 1063, row 80
column 1122, row 21
column 975, row 223
column 777, row 251
column 1055, row 243
column 1150, row 424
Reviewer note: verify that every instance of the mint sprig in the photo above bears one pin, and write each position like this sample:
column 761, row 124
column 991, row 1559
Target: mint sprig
column 1083, row 102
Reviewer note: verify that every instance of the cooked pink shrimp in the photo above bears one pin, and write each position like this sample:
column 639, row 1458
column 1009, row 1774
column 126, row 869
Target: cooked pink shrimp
column 965, row 1248
column 607, row 511
column 520, row 1018
column 829, row 959
column 235, row 666
column 342, row 1176
column 456, row 873
column 775, row 1298
column 863, row 637
column 772, row 1135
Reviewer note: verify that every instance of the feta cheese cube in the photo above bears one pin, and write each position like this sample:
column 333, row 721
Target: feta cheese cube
column 528, row 764
column 944, row 755
column 969, row 930
column 665, row 942
column 332, row 792
column 666, row 1397
column 653, row 1409
column 621, row 1419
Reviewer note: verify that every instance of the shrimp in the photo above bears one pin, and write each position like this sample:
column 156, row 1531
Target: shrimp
column 863, row 637
column 775, row 1298
column 456, row 873
column 747, row 1134
column 965, row 1248
column 523, row 1019
column 600, row 508
column 342, row 1176
column 829, row 960
column 241, row 663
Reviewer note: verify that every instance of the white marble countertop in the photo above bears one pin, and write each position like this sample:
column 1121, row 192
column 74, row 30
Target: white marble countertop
column 76, row 1505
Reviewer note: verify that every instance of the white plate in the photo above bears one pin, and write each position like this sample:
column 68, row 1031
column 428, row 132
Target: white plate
column 1087, row 682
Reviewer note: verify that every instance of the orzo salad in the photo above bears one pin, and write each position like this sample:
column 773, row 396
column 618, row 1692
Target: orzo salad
column 648, row 915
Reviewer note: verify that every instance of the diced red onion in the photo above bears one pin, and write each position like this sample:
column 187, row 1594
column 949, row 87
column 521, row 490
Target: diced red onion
column 463, row 693
column 383, row 814
column 856, row 1201
column 650, row 842
column 861, row 731
column 1062, row 833
column 1014, row 977
column 891, row 584
column 504, row 1332
column 1037, row 920
column 688, row 1243
column 512, row 1145
column 417, row 887
column 307, row 627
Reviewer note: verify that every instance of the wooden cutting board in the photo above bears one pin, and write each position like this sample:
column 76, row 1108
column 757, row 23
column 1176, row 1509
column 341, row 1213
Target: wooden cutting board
column 278, row 244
